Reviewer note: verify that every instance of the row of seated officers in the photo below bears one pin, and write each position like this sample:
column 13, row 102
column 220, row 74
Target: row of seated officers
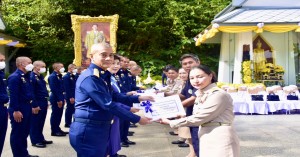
column 92, row 105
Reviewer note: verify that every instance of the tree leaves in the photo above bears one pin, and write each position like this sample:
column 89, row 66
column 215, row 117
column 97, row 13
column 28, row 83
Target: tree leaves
column 153, row 33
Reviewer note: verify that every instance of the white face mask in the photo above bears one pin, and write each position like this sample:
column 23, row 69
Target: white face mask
column 74, row 71
column 62, row 70
column 29, row 67
column 42, row 70
column 2, row 65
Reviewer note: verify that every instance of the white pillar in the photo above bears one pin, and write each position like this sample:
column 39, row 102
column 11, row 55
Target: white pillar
column 223, row 72
column 241, row 39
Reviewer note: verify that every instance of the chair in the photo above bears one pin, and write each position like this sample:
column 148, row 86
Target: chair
column 239, row 103
column 259, row 107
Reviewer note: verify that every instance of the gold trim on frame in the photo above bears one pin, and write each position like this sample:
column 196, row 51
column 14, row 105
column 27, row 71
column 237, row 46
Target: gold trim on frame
column 77, row 20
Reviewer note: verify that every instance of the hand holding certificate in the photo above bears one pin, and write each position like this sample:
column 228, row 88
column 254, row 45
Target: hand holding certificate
column 156, row 96
column 163, row 107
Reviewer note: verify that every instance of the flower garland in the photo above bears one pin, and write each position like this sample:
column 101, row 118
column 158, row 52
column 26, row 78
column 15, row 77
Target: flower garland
column 246, row 72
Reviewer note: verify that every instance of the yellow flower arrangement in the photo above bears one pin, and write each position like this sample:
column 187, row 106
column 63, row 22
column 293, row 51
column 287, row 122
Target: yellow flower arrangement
column 246, row 72
column 266, row 70
column 220, row 84
column 279, row 69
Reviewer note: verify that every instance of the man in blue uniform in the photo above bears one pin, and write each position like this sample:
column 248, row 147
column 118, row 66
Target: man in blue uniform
column 124, row 75
column 20, row 106
column 95, row 107
column 79, row 69
column 40, row 105
column 125, row 82
column 188, row 61
column 135, row 71
column 3, row 100
column 69, row 81
column 57, row 98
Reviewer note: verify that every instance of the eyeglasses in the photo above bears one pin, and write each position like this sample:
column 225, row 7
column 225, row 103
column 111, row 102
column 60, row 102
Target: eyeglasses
column 104, row 55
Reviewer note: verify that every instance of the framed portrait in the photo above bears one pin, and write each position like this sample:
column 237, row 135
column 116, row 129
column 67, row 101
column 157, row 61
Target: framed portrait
column 91, row 30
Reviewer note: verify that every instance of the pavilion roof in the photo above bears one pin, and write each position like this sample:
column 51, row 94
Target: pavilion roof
column 275, row 16
column 254, row 16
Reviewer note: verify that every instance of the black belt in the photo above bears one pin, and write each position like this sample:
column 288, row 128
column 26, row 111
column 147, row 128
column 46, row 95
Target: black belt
column 89, row 121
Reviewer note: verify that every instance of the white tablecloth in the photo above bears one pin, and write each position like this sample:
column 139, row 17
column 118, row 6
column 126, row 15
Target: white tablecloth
column 243, row 104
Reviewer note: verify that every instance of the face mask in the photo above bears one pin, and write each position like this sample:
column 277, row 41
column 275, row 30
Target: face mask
column 74, row 71
column 42, row 70
column 62, row 70
column 29, row 67
column 2, row 65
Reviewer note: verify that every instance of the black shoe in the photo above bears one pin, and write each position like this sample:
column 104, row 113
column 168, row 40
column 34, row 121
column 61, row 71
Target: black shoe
column 58, row 134
column 183, row 145
column 130, row 134
column 64, row 132
column 32, row 155
column 178, row 142
column 119, row 155
column 123, row 144
column 133, row 125
column 39, row 145
column 130, row 142
column 47, row 142
column 67, row 125
column 172, row 133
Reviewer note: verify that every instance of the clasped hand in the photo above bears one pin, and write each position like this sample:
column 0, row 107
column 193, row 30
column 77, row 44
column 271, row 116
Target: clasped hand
column 145, row 98
column 36, row 110
column 18, row 116
column 145, row 120
column 167, row 121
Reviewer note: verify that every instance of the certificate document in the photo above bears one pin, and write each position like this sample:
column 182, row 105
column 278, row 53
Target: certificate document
column 164, row 107
column 156, row 96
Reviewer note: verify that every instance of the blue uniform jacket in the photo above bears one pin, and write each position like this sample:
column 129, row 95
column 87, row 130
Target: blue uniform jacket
column 20, row 89
column 163, row 79
column 69, row 81
column 95, row 99
column 39, row 88
column 125, row 80
column 133, row 83
column 188, row 91
column 76, row 76
column 116, row 88
column 3, row 92
column 55, row 81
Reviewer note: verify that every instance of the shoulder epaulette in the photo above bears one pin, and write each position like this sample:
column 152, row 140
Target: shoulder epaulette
column 96, row 72
column 214, row 89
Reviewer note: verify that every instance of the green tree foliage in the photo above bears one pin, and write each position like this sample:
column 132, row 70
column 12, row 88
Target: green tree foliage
column 154, row 33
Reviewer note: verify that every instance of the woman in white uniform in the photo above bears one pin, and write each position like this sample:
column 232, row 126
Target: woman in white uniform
column 213, row 113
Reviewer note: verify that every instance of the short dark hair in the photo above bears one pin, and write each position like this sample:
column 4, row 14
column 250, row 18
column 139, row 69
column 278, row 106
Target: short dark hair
column 172, row 68
column 207, row 70
column 116, row 57
column 189, row 55
column 71, row 66
column 54, row 65
column 166, row 68
column 124, row 57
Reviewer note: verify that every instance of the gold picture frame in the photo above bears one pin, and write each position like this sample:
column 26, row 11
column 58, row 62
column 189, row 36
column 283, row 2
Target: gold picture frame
column 104, row 28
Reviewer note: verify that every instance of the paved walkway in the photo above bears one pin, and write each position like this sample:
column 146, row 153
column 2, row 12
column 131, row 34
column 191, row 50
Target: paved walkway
column 260, row 136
